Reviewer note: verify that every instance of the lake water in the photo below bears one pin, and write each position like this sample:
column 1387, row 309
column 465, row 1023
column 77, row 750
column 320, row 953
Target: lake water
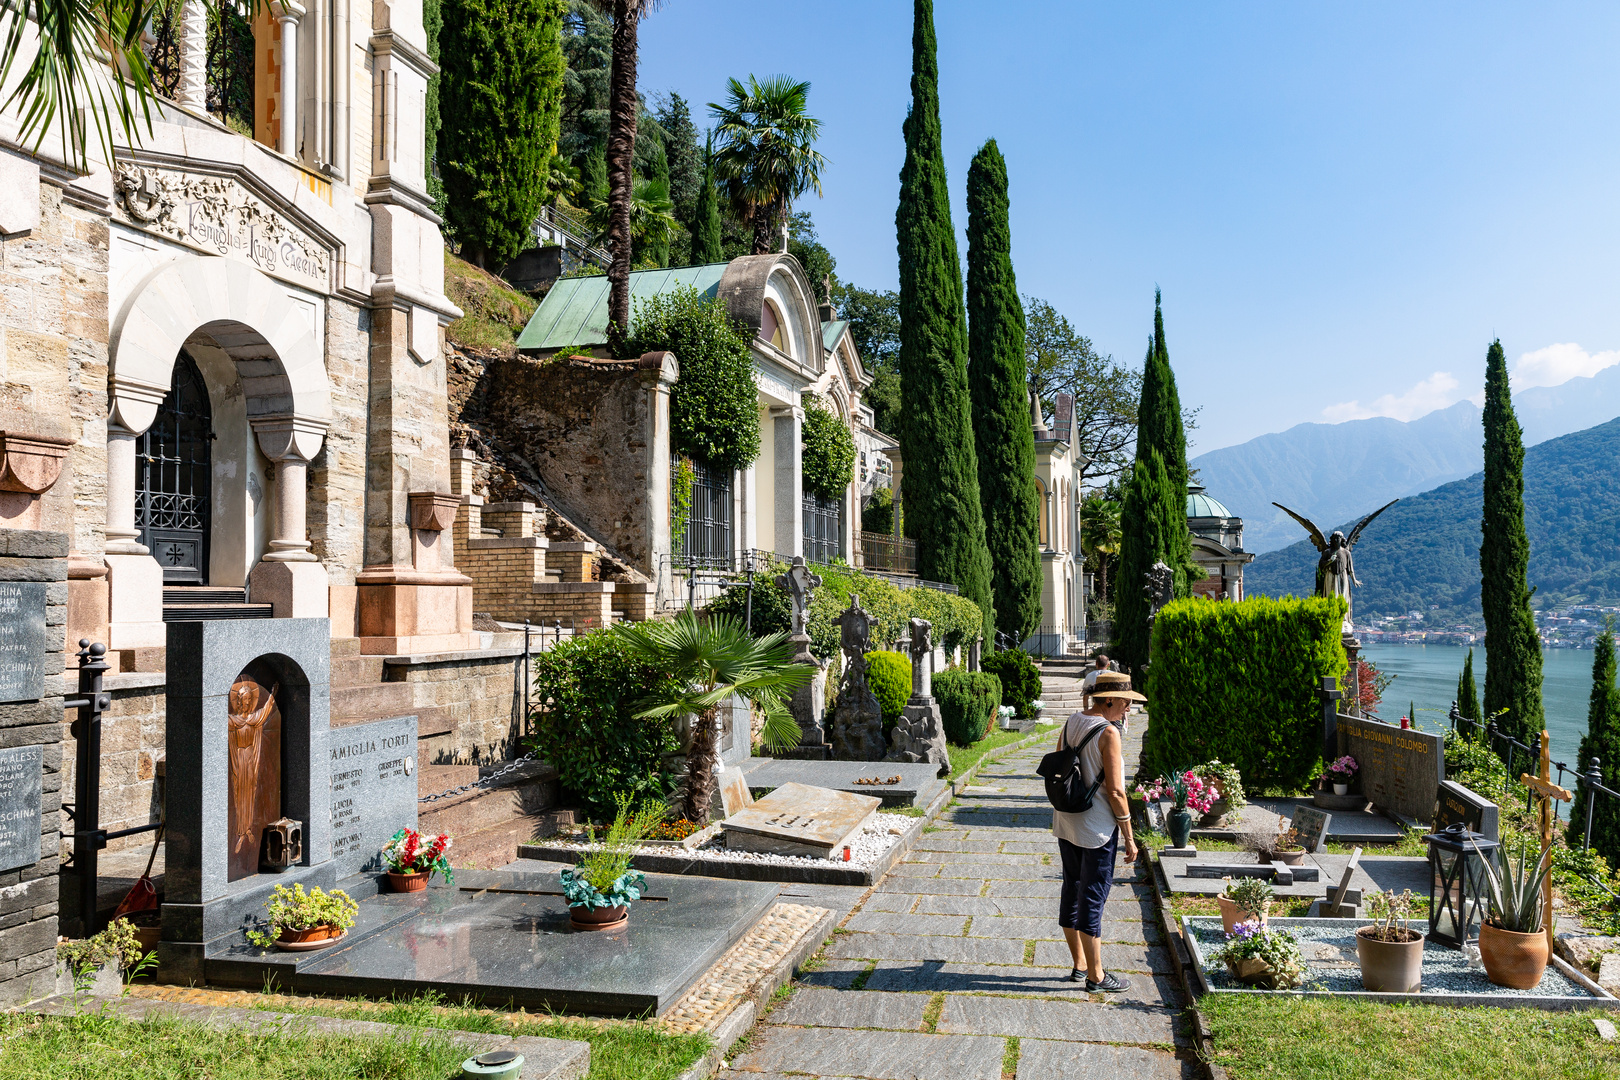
column 1427, row 675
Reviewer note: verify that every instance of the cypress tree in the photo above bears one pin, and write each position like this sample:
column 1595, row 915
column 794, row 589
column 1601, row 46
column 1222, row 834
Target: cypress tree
column 940, row 482
column 500, row 105
column 1512, row 646
column 432, row 25
column 1001, row 428
column 706, row 217
column 1468, row 690
column 1602, row 741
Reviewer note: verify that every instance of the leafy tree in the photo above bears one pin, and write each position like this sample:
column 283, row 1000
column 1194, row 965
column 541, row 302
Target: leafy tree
column 806, row 246
column 654, row 233
column 874, row 324
column 593, row 185
column 1468, row 690
column 878, row 515
column 767, row 156
column 684, row 152
column 1105, row 393
column 588, row 46
column 1602, row 741
column 706, row 217
column 1001, row 427
column 1099, row 537
column 714, row 408
column 829, row 452
column 940, row 485
column 1512, row 645
column 501, row 92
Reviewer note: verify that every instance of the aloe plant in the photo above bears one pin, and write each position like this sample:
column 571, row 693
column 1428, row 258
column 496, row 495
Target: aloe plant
column 1516, row 894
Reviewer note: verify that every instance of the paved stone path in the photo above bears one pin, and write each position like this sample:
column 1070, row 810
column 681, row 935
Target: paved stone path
column 954, row 965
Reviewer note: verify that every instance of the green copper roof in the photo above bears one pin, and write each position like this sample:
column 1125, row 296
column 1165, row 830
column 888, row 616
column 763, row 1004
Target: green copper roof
column 1200, row 505
column 831, row 332
column 574, row 314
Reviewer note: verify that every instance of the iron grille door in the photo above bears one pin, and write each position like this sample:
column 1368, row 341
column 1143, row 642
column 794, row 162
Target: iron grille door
column 823, row 528
column 708, row 530
column 172, row 474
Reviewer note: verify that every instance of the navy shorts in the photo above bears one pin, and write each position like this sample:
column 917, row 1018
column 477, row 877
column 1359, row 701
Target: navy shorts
column 1088, row 874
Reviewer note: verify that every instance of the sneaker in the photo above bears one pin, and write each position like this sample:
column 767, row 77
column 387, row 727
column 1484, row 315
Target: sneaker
column 1111, row 984
column 1078, row 975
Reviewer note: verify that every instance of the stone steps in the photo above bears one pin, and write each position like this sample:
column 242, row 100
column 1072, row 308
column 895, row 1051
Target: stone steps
column 489, row 823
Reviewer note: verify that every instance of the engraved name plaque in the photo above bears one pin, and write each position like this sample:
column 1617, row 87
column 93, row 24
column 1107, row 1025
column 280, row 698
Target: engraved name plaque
column 21, row 779
column 373, row 789
column 22, row 640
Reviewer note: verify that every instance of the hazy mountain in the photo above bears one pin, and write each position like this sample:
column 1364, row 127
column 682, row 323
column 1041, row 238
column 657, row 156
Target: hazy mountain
column 1329, row 472
column 1424, row 550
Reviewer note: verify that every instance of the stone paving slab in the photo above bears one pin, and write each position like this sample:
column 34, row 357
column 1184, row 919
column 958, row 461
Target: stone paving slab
column 935, row 843
column 1074, row 1021
column 883, row 922
column 977, row 858
column 834, row 974
column 1029, row 871
column 883, row 901
column 1032, row 907
column 1114, row 957
column 950, row 886
column 933, row 977
column 1006, row 886
column 879, row 1055
column 927, row 947
column 1132, row 931
column 1040, row 1059
column 817, row 1007
column 1030, row 847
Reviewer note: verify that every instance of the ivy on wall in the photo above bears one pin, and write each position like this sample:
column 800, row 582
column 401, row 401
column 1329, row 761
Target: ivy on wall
column 714, row 408
column 829, row 451
column 680, row 501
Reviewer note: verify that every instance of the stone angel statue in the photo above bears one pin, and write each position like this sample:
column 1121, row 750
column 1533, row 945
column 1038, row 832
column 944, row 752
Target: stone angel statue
column 1336, row 569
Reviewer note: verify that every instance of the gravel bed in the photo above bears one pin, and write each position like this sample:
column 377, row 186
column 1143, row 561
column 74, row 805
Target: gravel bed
column 874, row 842
column 1330, row 960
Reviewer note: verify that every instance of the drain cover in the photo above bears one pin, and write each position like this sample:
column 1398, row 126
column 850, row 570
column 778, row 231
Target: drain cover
column 497, row 1057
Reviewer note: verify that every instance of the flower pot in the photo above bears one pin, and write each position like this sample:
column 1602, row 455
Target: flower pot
column 1232, row 914
column 1178, row 823
column 1510, row 959
column 1341, row 789
column 414, row 882
column 1216, row 812
column 309, row 939
column 1293, row 857
column 1390, row 967
column 602, row 918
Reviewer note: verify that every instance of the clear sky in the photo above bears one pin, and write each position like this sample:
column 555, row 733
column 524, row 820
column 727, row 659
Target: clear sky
column 1343, row 205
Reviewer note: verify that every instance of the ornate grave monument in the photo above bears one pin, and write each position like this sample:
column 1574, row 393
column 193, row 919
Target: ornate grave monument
column 919, row 734
column 1401, row 768
column 809, row 701
column 858, row 718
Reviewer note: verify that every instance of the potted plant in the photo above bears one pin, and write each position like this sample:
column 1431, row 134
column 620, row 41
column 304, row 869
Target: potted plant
column 1286, row 848
column 1006, row 712
column 297, row 921
column 601, row 888
column 1182, row 789
column 1390, row 951
column 1341, row 773
column 1258, row 956
column 1512, row 941
column 1227, row 785
column 1247, row 901
column 1036, row 708
column 412, row 858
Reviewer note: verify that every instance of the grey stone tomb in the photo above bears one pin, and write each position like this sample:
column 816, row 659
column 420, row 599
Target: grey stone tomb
column 810, row 701
column 1458, row 803
column 373, row 789
column 919, row 734
column 1401, row 768
column 858, row 719
column 22, row 640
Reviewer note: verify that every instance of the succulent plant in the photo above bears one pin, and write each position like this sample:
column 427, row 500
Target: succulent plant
column 1516, row 903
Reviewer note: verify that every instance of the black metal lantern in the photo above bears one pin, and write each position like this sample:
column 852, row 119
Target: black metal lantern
column 1458, row 890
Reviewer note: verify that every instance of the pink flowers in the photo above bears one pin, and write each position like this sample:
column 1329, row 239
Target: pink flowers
column 1344, row 768
column 1186, row 790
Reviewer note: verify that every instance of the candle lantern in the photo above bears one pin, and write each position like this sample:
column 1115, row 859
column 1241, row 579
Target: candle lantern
column 283, row 844
column 1458, row 890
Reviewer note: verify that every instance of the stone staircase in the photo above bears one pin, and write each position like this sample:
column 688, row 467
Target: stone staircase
column 185, row 603
column 1061, row 680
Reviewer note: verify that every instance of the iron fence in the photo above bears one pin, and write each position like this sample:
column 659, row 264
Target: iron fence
column 695, row 580
column 888, row 554
column 823, row 528
column 1047, row 639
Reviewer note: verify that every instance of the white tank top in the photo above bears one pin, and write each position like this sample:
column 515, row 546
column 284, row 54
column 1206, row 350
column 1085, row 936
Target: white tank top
column 1094, row 827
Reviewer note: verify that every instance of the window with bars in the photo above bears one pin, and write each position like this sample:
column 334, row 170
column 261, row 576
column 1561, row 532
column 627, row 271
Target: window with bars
column 823, row 528
column 708, row 529
column 172, row 479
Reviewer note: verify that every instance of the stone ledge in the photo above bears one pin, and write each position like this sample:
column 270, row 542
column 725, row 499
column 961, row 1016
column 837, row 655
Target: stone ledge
column 131, row 680
column 574, row 546
column 508, row 543
column 550, row 588
column 413, row 659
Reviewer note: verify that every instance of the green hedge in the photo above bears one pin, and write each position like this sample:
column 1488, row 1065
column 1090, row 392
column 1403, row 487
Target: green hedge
column 586, row 691
column 889, row 676
column 1020, row 678
column 968, row 701
column 1238, row 682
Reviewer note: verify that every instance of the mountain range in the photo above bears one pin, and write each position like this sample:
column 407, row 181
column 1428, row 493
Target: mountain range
column 1423, row 553
column 1329, row 472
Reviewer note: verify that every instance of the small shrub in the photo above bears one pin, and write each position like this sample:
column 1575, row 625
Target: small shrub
column 889, row 676
column 117, row 943
column 1020, row 678
column 295, row 909
column 968, row 701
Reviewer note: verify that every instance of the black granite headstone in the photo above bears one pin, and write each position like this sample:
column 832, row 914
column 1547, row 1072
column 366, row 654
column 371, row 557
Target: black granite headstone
column 373, row 789
column 1458, row 803
column 22, row 640
column 21, row 779
column 1400, row 768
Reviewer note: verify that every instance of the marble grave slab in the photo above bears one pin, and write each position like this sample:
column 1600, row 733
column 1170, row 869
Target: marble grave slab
column 797, row 819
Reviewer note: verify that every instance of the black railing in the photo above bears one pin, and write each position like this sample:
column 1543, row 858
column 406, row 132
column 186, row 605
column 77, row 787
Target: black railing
column 709, row 519
column 823, row 528
column 1047, row 639
column 888, row 554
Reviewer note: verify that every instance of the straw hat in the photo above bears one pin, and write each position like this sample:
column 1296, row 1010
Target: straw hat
column 1114, row 684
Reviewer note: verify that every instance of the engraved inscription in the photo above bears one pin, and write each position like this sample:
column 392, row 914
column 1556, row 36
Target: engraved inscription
column 373, row 789
column 21, row 779
column 22, row 640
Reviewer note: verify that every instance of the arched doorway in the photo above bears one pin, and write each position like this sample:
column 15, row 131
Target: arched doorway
column 172, row 478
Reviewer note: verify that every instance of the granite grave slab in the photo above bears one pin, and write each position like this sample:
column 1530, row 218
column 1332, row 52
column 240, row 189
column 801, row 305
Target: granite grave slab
column 373, row 790
column 22, row 640
column 1400, row 768
column 1310, row 826
column 1458, row 804
column 796, row 819
column 918, row 784
column 21, row 780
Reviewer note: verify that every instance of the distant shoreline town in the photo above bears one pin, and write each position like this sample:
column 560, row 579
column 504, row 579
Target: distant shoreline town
column 1575, row 627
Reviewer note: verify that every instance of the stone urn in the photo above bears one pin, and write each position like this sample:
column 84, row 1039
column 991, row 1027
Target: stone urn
column 1511, row 959
column 1216, row 813
column 1390, row 967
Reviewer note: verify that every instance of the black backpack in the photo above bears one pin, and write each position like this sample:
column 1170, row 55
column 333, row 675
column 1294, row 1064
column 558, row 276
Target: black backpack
column 1066, row 787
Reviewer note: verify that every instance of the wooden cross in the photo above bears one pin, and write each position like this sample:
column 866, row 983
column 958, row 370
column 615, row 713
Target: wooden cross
column 1546, row 791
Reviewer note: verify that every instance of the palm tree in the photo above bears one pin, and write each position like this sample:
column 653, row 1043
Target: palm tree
column 1099, row 537
column 652, row 217
column 766, row 157
column 623, row 108
column 710, row 660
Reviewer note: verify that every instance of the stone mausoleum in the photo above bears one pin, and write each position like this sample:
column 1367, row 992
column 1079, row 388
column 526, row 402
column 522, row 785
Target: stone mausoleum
column 1217, row 546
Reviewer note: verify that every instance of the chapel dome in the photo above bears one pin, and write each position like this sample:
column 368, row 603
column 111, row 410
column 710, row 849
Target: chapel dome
column 1202, row 505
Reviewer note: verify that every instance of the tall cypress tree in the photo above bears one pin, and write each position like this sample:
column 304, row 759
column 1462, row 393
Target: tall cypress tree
column 1468, row 690
column 1602, row 741
column 1512, row 646
column 1001, row 428
column 706, row 216
column 940, row 481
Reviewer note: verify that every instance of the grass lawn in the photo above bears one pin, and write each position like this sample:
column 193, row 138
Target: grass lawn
column 76, row 1047
column 1289, row 1038
column 964, row 758
column 620, row 1050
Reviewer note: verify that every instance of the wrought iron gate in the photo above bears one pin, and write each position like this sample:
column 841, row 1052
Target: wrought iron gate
column 823, row 528
column 172, row 474
column 708, row 530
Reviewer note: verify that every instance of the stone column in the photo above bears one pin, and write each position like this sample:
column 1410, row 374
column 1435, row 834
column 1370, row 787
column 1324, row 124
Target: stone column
column 289, row 576
column 193, row 93
column 288, row 13
column 788, row 430
column 134, row 579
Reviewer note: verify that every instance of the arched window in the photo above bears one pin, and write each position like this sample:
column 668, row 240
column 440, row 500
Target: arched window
column 770, row 326
column 1045, row 523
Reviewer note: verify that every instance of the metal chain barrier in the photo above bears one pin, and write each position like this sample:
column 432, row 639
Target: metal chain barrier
column 483, row 781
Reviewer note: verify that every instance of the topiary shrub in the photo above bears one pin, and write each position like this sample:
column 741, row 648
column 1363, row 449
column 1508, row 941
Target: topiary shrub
column 968, row 700
column 587, row 691
column 1020, row 678
column 889, row 675
column 1238, row 682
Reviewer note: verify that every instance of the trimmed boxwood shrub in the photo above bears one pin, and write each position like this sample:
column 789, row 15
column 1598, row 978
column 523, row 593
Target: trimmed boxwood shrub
column 1238, row 682
column 889, row 675
column 1020, row 678
column 586, row 692
column 968, row 700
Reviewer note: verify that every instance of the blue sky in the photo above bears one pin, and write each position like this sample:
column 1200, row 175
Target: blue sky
column 1343, row 204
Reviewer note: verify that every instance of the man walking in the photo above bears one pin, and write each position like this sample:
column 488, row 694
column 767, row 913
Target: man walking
column 1100, row 664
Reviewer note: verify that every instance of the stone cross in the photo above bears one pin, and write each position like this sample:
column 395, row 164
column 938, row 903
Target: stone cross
column 922, row 659
column 800, row 583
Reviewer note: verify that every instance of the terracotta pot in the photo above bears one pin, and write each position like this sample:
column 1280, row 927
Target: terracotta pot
column 1390, row 967
column 1231, row 914
column 602, row 918
column 1178, row 823
column 1510, row 959
column 1215, row 813
column 409, row 882
column 1295, row 857
column 1341, row 789
column 315, row 937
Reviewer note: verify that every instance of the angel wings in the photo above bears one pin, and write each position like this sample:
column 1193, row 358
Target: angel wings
column 1321, row 542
